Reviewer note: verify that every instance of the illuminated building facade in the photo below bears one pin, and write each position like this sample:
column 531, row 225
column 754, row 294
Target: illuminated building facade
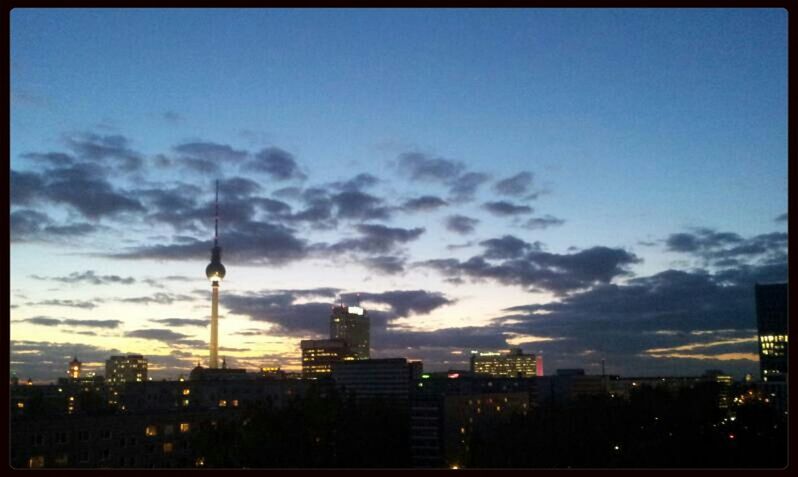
column 126, row 369
column 772, row 318
column 352, row 325
column 319, row 355
column 514, row 364
column 74, row 369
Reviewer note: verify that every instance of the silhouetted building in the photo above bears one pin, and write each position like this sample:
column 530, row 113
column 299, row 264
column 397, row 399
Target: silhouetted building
column 126, row 369
column 369, row 378
column 772, row 324
column 218, row 374
column 319, row 355
column 724, row 382
column 351, row 324
column 514, row 364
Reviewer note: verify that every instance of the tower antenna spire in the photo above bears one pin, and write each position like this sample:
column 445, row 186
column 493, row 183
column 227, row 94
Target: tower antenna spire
column 216, row 217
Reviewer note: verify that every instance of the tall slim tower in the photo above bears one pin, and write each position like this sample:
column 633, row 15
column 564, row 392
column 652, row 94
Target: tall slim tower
column 215, row 272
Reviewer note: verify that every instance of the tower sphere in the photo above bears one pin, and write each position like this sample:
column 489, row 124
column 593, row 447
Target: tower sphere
column 215, row 271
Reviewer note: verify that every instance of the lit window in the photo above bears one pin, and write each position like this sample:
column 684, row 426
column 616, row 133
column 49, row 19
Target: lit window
column 36, row 462
column 185, row 427
column 186, row 392
column 235, row 402
column 151, row 431
column 200, row 462
column 222, row 403
column 21, row 405
column 167, row 447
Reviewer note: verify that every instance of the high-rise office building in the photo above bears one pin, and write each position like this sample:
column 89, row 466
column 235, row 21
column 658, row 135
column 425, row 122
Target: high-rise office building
column 514, row 364
column 319, row 355
column 772, row 321
column 352, row 325
column 126, row 369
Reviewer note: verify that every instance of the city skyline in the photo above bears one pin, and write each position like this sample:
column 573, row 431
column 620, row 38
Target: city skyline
column 585, row 185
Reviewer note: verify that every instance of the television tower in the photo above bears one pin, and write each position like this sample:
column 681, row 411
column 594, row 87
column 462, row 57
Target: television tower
column 215, row 272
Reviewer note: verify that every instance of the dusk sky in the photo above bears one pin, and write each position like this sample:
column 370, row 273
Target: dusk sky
column 585, row 184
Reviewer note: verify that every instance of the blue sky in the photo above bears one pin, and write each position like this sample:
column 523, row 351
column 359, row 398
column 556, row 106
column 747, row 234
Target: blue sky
column 633, row 126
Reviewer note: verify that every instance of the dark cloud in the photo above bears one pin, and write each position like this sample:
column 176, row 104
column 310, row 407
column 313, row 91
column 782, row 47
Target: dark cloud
column 51, row 158
column 465, row 186
column 460, row 224
column 543, row 222
column 157, row 334
column 71, row 230
column 89, row 276
column 42, row 321
column 726, row 249
column 423, row 167
column 519, row 185
column 504, row 208
column 237, row 188
column 376, row 239
column 92, row 323
column 247, row 243
column 211, row 151
column 67, row 303
column 781, row 218
column 701, row 240
column 288, row 192
column 283, row 309
column 208, row 157
column 93, row 198
column 423, row 203
column 177, row 322
column 26, row 225
column 419, row 166
column 26, row 187
column 158, row 298
column 437, row 345
column 109, row 149
column 386, row 264
column 359, row 182
column 47, row 321
column 506, row 247
column 359, row 205
column 536, row 269
column 279, row 164
column 698, row 312
column 280, row 309
column 403, row 302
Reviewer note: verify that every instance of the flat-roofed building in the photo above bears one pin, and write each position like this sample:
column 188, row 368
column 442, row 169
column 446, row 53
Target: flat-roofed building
column 514, row 364
column 369, row 378
column 126, row 369
column 319, row 355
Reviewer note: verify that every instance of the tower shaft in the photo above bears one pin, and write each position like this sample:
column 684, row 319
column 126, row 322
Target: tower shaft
column 214, row 358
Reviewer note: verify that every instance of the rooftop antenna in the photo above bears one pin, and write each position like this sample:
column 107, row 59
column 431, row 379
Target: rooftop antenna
column 358, row 299
column 216, row 218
